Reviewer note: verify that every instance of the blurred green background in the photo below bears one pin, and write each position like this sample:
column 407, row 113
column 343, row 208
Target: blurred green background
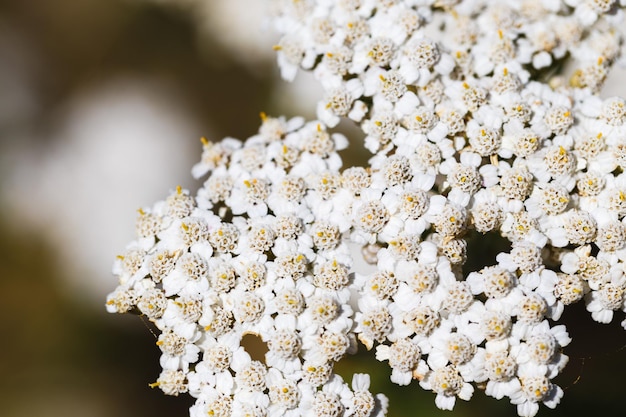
column 102, row 104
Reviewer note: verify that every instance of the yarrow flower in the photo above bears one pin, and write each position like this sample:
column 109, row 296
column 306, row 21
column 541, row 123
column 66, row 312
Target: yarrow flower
column 472, row 138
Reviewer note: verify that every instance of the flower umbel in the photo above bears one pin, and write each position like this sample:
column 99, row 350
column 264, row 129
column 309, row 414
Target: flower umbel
column 472, row 138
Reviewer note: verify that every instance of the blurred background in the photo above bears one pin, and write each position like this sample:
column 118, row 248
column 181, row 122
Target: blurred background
column 102, row 104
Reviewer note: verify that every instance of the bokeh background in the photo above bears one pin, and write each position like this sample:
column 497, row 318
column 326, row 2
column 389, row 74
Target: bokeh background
column 102, row 104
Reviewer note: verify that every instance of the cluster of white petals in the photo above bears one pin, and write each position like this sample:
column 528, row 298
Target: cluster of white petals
column 484, row 121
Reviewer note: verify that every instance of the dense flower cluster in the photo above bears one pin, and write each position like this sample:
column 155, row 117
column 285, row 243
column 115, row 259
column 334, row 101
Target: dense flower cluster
column 473, row 132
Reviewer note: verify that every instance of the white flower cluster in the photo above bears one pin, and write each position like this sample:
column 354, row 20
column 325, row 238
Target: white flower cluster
column 259, row 251
column 473, row 132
